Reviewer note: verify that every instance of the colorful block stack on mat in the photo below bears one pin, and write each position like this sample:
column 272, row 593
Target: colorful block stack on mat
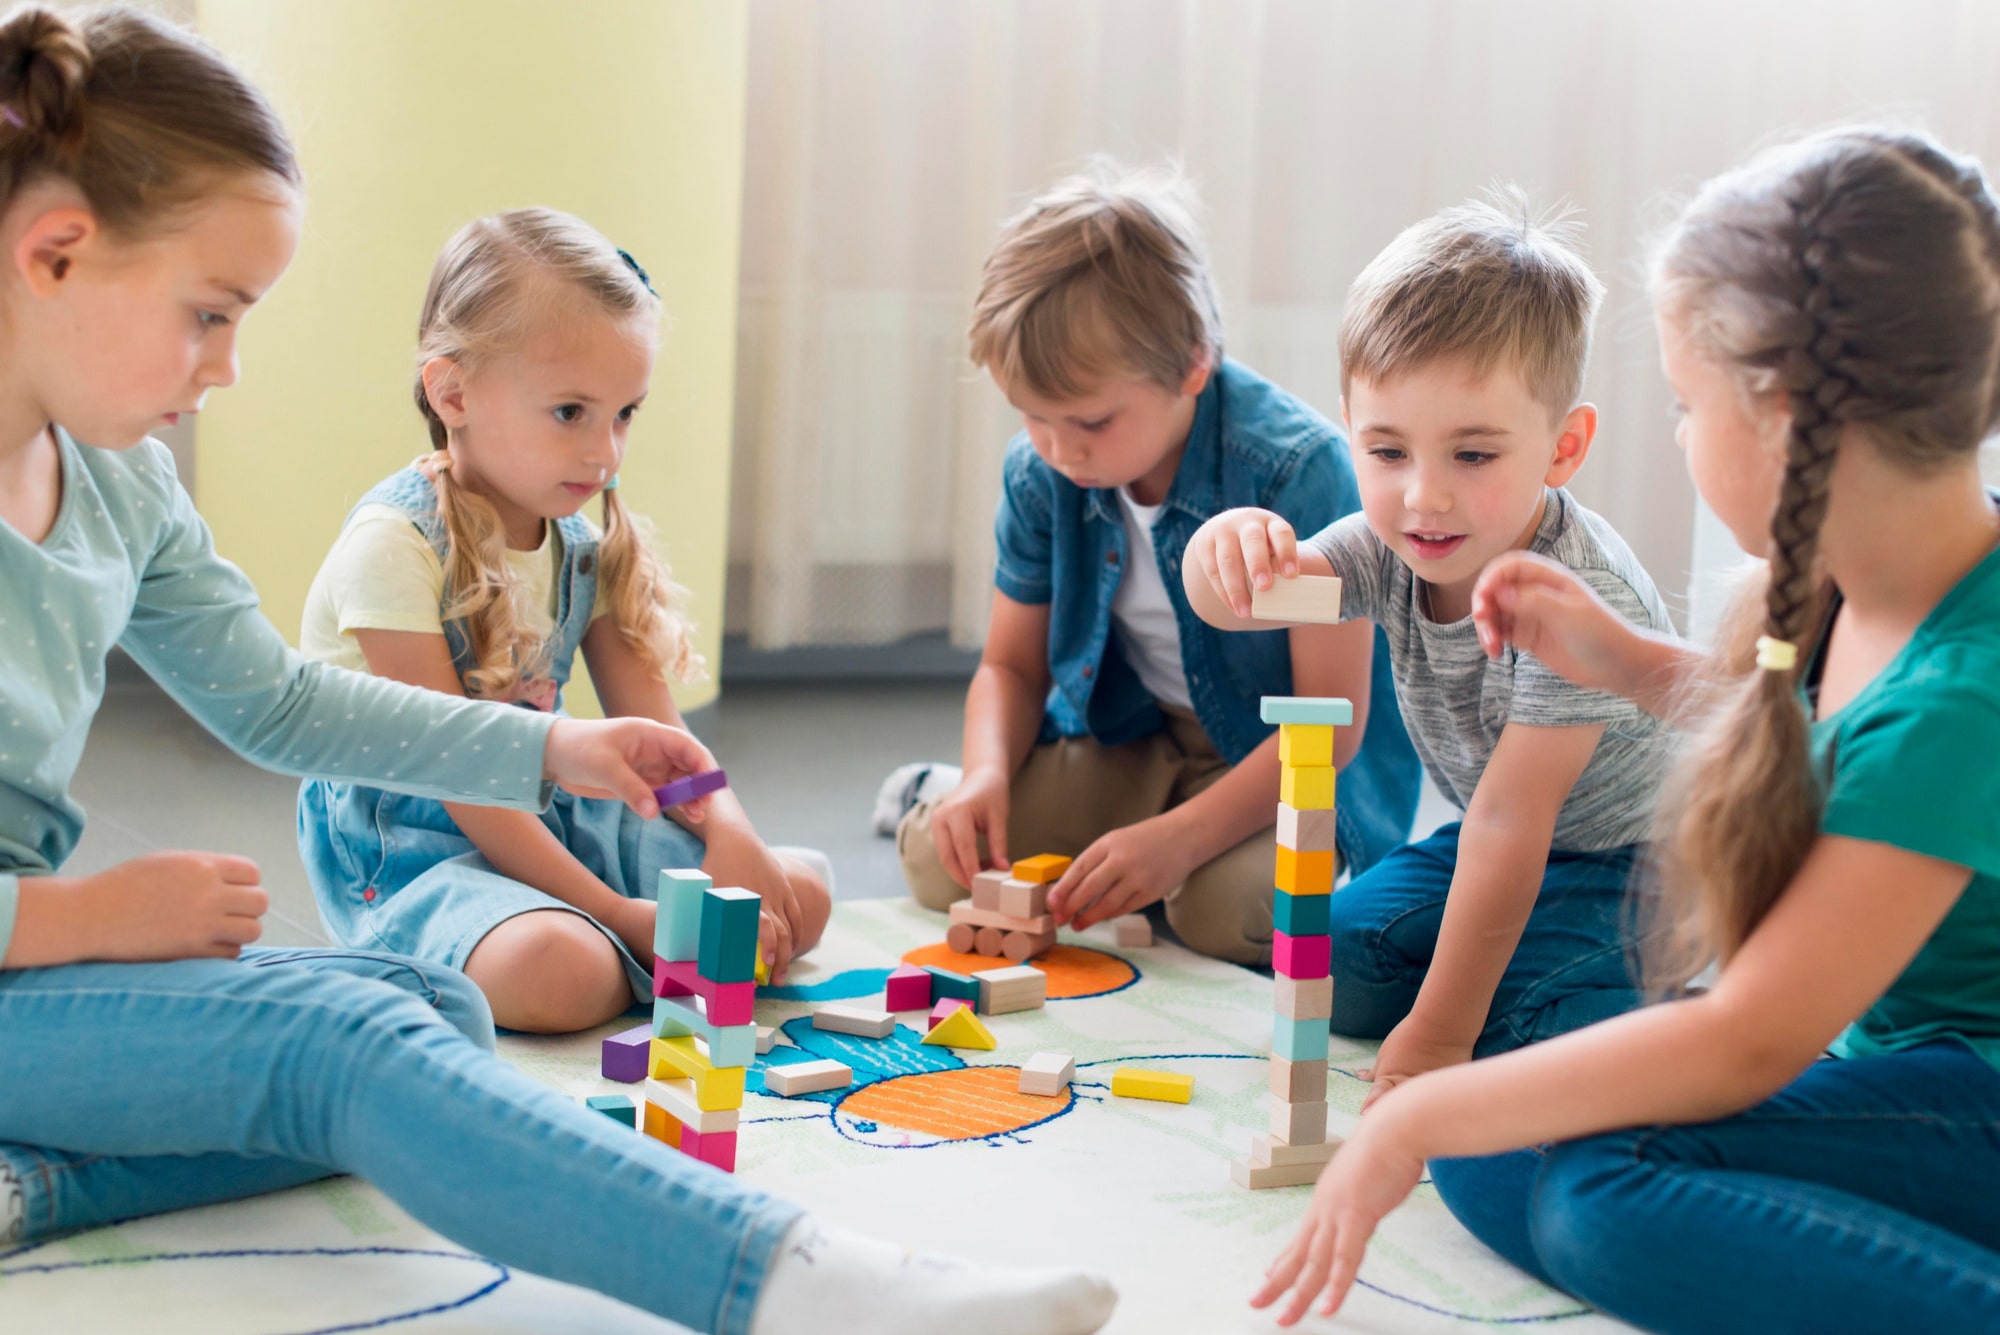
column 1301, row 949
column 704, row 1036
column 1009, row 911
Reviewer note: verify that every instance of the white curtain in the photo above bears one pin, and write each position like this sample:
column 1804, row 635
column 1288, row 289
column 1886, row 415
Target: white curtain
column 888, row 139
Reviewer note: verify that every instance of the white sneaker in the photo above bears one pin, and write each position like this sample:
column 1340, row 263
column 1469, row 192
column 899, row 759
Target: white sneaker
column 907, row 785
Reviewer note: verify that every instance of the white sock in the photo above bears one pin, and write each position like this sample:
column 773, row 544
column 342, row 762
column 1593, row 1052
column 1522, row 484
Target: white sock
column 826, row 1278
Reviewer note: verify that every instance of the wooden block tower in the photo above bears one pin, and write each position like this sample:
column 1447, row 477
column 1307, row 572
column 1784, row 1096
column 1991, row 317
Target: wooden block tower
column 704, row 1032
column 1301, row 949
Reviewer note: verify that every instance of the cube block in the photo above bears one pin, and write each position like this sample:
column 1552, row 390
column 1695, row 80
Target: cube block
column 1298, row 1040
column 1308, row 874
column 618, row 1107
column 1307, row 787
column 677, row 929
column 1298, row 1123
column 1132, row 1082
column 1134, row 929
column 909, row 989
column 945, row 1007
column 728, row 951
column 1303, row 998
column 1310, row 831
column 986, row 890
column 722, row 1003
column 1330, row 710
column 624, row 1055
column 1305, row 744
column 1301, row 956
column 1047, row 1074
column 1302, row 1081
column 767, row 1038
column 717, row 1149
column 1024, row 899
column 1301, row 915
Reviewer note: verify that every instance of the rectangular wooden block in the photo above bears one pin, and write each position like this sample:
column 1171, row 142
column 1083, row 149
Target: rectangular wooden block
column 677, row 1099
column 861, row 1021
column 946, row 983
column 728, row 951
column 715, row 1087
column 1301, row 956
column 725, row 1045
column 623, row 1056
column 1301, row 915
column 1298, row 1123
column 1266, row 1151
column 1301, row 744
column 1330, row 710
column 717, row 1149
column 1304, row 873
column 986, row 890
column 1024, row 899
column 1132, row 930
column 722, row 1003
column 767, row 1038
column 1302, row 1081
column 677, row 929
column 618, row 1107
column 1006, row 922
column 660, row 1124
column 908, row 989
column 1302, row 998
column 1020, row 988
column 1042, row 869
column 1311, row 831
column 1307, row 787
column 1314, row 598
column 1298, row 1040
column 795, row 1078
column 1131, row 1082
column 1047, row 1074
column 1258, row 1177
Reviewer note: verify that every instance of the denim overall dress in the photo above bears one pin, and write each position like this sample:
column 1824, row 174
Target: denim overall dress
column 394, row 872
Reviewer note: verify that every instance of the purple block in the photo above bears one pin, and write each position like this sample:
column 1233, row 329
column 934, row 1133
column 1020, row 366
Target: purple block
column 724, row 1003
column 625, row 1054
column 682, row 791
column 909, row 989
column 1305, row 957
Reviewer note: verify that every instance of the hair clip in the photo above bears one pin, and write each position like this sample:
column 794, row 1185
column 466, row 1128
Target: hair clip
column 1776, row 655
column 644, row 281
column 13, row 118
column 611, row 483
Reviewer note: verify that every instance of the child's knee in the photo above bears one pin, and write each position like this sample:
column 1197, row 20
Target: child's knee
column 549, row 972
column 1212, row 920
column 923, row 871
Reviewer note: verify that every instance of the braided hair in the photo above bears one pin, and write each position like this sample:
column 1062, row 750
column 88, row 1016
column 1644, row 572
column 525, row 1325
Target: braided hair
column 1857, row 274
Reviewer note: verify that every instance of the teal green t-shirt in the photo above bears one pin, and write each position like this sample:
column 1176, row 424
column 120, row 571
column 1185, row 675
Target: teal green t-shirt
column 1913, row 761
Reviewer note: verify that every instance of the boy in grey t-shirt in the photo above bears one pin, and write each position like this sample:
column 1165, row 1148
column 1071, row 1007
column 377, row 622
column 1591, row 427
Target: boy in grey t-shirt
column 1462, row 358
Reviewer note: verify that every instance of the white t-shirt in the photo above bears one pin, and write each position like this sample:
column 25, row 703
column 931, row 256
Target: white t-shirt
column 1142, row 616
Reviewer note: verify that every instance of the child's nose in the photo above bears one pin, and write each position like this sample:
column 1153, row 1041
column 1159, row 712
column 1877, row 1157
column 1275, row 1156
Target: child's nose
column 1427, row 495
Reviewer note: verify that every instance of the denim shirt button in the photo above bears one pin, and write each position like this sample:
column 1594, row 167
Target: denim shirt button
column 1088, row 671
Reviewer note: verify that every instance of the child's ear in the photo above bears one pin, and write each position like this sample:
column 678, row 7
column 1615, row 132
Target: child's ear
column 48, row 246
column 444, row 387
column 1572, row 444
column 1196, row 380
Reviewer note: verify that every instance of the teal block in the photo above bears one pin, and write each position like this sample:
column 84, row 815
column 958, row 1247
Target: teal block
column 728, row 952
column 728, row 1045
column 677, row 931
column 1302, row 915
column 618, row 1107
column 945, row 983
column 1298, row 1040
column 1307, row 709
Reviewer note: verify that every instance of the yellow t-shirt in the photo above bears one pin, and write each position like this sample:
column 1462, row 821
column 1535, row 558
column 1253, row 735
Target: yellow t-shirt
column 383, row 574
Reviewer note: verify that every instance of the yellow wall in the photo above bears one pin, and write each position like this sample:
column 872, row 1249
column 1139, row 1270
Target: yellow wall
column 412, row 118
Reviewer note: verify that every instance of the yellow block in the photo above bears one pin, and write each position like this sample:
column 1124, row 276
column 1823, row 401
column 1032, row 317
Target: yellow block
column 1304, row 873
column 715, row 1087
column 1041, row 869
column 1301, row 744
column 1130, row 1082
column 962, row 1029
column 1306, row 787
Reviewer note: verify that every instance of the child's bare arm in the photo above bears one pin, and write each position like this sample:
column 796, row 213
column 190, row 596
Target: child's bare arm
column 162, row 906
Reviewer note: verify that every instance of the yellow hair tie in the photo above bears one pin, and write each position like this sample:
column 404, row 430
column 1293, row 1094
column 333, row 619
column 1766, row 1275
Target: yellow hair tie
column 1776, row 655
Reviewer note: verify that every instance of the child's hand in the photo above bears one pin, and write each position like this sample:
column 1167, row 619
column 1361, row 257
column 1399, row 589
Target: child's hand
column 1369, row 1176
column 775, row 943
column 626, row 759
column 1120, row 873
column 978, row 806
column 174, row 906
column 1241, row 550
column 1542, row 608
column 1408, row 1052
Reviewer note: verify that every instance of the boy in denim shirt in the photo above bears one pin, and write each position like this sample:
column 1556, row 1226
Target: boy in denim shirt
column 1105, row 720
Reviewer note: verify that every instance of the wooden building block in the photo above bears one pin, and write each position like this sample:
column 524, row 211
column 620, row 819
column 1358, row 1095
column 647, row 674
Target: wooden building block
column 1024, row 899
column 677, row 928
column 717, row 1149
column 618, row 1107
column 660, row 1124
column 1132, row 930
column 986, row 890
column 1307, row 787
column 1301, row 956
column 1132, row 1082
column 1042, row 869
column 1302, row 1081
column 1330, row 710
column 1300, row 998
column 1298, row 1123
column 1304, row 873
column 1301, row 915
column 677, row 1099
column 728, row 951
column 722, row 1003
column 1265, row 1151
column 1305, row 744
column 1313, row 598
column 624, row 1055
column 909, row 989
column 795, row 1078
column 1298, row 1040
column 715, row 1087
column 1310, row 831
column 725, row 1045
column 861, row 1021
column 1021, row 947
column 1047, row 1074
column 767, row 1038
column 1004, row 922
column 685, row 790
column 1258, row 1177
column 1020, row 988
column 946, row 983
column 945, row 1007
column 962, row 1029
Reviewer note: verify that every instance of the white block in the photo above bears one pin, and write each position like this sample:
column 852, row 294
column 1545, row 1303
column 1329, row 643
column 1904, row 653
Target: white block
column 677, row 1098
column 807, row 1077
column 1047, row 1073
column 861, row 1021
column 1313, row 598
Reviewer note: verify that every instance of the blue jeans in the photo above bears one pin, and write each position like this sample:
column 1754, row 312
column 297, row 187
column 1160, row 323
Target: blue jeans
column 1864, row 1197
column 128, row 1089
column 1569, row 970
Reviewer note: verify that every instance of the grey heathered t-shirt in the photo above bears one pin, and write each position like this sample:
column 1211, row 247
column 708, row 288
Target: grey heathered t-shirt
column 1455, row 700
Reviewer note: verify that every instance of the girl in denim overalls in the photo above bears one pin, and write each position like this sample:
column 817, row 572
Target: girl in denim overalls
column 473, row 572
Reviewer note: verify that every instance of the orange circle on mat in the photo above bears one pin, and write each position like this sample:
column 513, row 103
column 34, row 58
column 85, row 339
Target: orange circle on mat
column 1074, row 971
column 964, row 1104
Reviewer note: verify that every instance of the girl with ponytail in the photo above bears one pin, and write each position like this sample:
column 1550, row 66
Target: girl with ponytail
column 1830, row 320
column 474, row 572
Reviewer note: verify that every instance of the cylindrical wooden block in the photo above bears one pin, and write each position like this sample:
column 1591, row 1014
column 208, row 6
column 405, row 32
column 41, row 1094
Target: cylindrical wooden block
column 960, row 936
column 989, row 941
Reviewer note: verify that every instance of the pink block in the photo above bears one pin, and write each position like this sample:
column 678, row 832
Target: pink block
column 944, row 1008
column 717, row 1148
column 725, row 1003
column 909, row 989
column 1302, row 956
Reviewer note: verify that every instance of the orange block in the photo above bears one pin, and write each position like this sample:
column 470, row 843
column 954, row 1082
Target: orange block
column 1305, row 873
column 1042, row 869
column 662, row 1125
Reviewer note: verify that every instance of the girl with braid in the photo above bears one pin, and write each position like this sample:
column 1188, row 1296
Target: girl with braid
column 1830, row 320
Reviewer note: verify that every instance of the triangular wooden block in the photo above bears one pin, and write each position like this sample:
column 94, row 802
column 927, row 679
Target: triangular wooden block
column 962, row 1029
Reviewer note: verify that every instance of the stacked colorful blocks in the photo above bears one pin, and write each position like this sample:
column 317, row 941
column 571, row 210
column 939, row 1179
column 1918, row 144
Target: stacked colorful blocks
column 1008, row 913
column 704, row 1034
column 1301, row 949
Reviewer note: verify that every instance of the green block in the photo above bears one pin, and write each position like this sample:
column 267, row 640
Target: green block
column 728, row 951
column 1307, row 709
column 1299, row 1040
column 677, row 931
column 618, row 1107
column 945, row 983
column 1302, row 915
column 728, row 1045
